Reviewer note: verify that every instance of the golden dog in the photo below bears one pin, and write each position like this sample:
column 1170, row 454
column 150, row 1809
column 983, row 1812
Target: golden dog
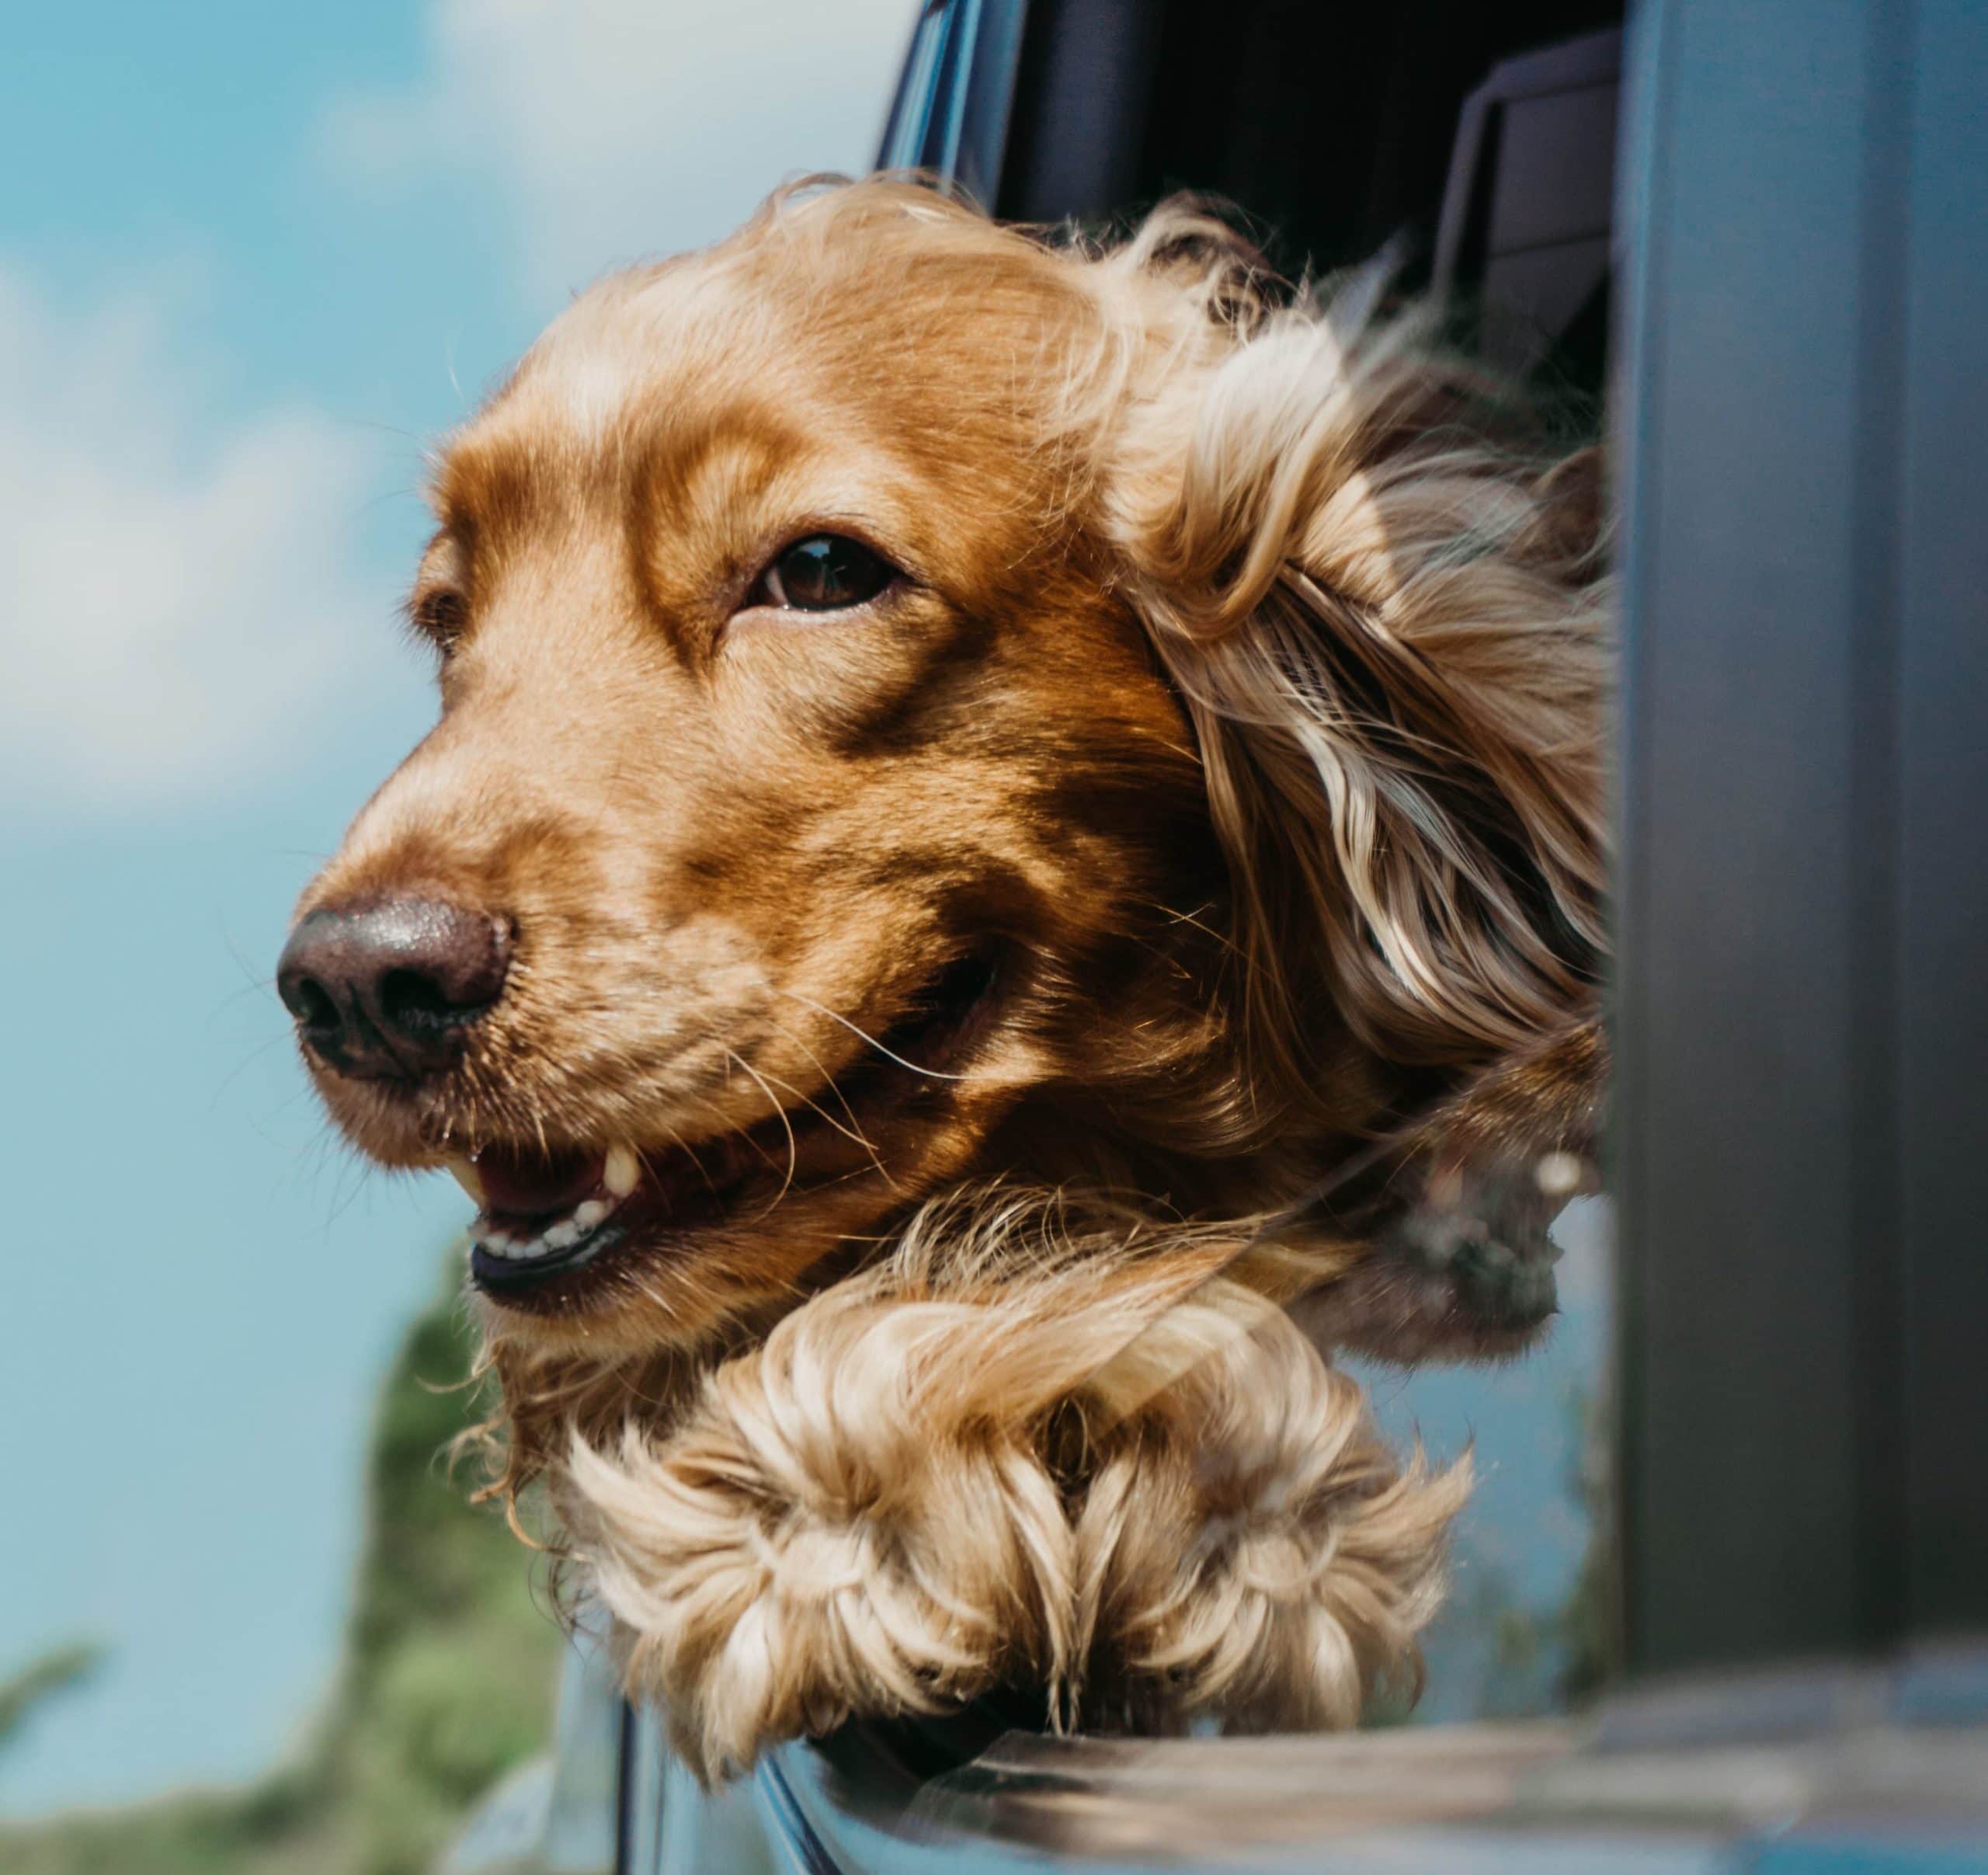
column 1005, row 816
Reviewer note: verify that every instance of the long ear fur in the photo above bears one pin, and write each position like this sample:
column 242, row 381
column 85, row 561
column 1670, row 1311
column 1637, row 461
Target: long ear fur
column 1388, row 635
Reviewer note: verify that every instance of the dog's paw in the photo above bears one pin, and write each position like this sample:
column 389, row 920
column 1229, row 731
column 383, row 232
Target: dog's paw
column 836, row 1529
column 1457, row 1261
column 1464, row 1269
column 1143, row 1506
column 1249, row 1550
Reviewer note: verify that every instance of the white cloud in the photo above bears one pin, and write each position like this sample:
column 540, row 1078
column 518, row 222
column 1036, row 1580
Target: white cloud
column 175, row 607
column 181, row 599
column 628, row 127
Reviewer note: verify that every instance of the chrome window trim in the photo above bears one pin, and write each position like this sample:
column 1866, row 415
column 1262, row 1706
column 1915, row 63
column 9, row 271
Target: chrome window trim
column 951, row 112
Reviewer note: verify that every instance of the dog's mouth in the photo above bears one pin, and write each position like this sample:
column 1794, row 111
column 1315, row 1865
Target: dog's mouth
column 550, row 1219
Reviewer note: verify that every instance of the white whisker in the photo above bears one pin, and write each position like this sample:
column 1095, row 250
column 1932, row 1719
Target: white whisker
column 863, row 1034
column 853, row 1131
column 793, row 1151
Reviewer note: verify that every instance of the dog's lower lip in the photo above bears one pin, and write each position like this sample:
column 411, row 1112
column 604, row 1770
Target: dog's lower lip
column 546, row 1216
column 514, row 1249
column 495, row 1273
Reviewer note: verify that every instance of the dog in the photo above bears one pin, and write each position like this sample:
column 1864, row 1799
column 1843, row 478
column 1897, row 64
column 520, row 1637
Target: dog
column 1013, row 852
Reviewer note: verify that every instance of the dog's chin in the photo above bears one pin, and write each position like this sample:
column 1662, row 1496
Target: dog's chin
column 631, row 1243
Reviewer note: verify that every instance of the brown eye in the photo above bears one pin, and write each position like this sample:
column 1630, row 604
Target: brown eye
column 826, row 572
column 439, row 616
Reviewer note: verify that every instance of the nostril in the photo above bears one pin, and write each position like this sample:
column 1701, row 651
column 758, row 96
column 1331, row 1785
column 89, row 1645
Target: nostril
column 411, row 1002
column 311, row 1003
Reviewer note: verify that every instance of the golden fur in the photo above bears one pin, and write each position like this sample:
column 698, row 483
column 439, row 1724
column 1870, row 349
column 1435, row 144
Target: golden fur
column 1115, row 1478
column 1234, row 725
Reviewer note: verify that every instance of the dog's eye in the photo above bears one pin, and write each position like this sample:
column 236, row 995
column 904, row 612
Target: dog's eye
column 440, row 615
column 826, row 572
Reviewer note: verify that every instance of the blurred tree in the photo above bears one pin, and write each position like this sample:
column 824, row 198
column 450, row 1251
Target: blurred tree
column 39, row 1680
column 447, row 1680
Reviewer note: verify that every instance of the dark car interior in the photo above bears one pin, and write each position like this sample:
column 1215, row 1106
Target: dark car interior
column 1478, row 139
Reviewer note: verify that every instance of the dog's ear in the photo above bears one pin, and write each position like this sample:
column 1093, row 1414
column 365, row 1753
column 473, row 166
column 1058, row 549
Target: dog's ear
column 1389, row 633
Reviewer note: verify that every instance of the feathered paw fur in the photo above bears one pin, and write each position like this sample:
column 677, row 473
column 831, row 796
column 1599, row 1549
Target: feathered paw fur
column 1249, row 1548
column 920, row 1489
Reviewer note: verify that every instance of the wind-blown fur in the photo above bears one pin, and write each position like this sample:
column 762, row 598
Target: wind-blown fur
column 1395, row 686
column 1241, row 700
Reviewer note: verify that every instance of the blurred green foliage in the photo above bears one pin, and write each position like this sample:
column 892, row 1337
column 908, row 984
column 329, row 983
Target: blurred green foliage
column 1558, row 1659
column 55, row 1672
column 447, row 1679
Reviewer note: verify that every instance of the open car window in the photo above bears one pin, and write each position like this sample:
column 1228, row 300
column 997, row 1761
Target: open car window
column 1755, row 255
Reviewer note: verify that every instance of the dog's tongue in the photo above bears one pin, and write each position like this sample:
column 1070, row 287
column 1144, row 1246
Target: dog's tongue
column 529, row 1184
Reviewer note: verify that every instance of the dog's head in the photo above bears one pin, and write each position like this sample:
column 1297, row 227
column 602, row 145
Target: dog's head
column 920, row 704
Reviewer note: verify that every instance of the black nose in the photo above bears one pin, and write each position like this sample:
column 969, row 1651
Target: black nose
column 388, row 990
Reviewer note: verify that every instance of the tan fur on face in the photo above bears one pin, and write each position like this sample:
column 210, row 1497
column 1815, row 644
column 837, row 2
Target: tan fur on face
column 718, row 837
column 1240, row 696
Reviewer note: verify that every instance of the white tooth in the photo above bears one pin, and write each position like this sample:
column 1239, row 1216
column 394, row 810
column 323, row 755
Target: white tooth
column 623, row 1171
column 561, row 1236
column 465, row 1175
column 593, row 1212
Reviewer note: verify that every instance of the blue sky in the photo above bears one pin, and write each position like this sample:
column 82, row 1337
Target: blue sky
column 250, row 258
